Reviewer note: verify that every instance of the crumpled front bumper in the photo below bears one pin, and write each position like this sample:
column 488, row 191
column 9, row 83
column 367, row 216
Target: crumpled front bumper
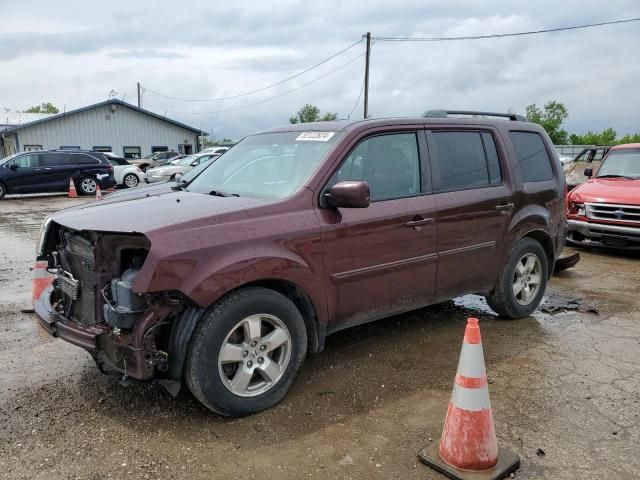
column 84, row 336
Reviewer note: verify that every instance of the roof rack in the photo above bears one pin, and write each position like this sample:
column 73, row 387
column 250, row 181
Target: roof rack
column 446, row 113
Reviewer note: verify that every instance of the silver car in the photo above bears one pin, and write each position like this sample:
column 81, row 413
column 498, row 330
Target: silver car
column 181, row 166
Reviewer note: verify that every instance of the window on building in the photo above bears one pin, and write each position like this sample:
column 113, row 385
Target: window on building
column 159, row 149
column 66, row 147
column 465, row 160
column 131, row 152
column 102, row 149
column 32, row 148
column 532, row 154
column 389, row 163
column 185, row 149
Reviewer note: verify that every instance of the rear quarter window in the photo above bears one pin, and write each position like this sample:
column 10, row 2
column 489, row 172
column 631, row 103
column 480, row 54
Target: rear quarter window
column 82, row 159
column 534, row 160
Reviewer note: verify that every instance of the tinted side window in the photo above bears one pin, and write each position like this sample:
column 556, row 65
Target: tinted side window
column 82, row 159
column 389, row 163
column 462, row 161
column 54, row 159
column 532, row 154
column 495, row 175
column 27, row 161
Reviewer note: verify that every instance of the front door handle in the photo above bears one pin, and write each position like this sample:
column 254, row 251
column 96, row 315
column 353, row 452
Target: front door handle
column 417, row 223
column 505, row 207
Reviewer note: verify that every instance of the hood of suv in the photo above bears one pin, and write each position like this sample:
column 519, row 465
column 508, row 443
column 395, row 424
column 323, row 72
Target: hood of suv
column 608, row 190
column 144, row 210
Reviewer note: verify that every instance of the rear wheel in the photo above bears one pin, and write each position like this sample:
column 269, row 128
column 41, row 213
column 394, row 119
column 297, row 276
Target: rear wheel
column 87, row 186
column 3, row 190
column 246, row 352
column 523, row 281
column 131, row 180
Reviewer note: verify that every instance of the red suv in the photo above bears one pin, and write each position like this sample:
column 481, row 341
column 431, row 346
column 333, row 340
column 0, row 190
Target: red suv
column 606, row 209
column 229, row 278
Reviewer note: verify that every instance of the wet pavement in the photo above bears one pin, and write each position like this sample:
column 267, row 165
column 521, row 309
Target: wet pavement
column 565, row 390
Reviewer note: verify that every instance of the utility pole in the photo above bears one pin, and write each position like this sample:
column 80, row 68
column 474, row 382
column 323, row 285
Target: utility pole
column 366, row 77
column 139, row 96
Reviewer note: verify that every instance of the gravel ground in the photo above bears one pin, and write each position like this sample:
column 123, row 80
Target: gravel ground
column 565, row 391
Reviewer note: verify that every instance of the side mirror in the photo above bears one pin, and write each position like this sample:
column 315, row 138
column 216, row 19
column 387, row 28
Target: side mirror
column 351, row 194
column 588, row 172
column 13, row 167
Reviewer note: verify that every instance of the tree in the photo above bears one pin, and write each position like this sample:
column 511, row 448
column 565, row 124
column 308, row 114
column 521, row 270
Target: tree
column 311, row 113
column 45, row 107
column 551, row 119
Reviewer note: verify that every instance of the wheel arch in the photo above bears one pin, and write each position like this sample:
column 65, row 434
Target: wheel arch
column 544, row 239
column 316, row 330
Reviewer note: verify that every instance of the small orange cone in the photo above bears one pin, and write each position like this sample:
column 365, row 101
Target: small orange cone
column 72, row 189
column 468, row 448
column 41, row 280
column 98, row 192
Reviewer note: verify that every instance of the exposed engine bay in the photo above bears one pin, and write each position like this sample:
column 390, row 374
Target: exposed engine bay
column 126, row 332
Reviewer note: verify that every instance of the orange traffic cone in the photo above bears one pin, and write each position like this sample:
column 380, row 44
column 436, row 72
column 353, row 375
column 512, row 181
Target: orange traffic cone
column 468, row 448
column 41, row 280
column 72, row 189
column 98, row 192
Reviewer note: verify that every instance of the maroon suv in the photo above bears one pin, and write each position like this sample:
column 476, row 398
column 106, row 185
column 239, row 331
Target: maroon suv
column 226, row 278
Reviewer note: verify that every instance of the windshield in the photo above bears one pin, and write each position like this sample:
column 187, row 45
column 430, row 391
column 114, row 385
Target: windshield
column 624, row 162
column 185, row 162
column 272, row 165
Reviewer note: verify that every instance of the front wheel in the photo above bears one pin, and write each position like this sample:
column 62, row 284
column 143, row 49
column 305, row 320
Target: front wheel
column 3, row 190
column 522, row 282
column 246, row 352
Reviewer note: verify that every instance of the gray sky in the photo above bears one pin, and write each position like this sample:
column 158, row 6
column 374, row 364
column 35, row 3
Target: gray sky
column 73, row 52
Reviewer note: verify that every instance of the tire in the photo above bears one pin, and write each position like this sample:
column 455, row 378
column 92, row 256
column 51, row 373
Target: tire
column 3, row 190
column 87, row 186
column 130, row 180
column 254, row 376
column 511, row 302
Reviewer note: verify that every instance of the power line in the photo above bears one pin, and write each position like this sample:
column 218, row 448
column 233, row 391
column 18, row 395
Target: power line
column 259, row 89
column 501, row 35
column 275, row 96
column 357, row 101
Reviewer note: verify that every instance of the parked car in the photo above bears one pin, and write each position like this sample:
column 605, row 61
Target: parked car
column 154, row 159
column 574, row 170
column 605, row 210
column 125, row 174
column 50, row 171
column 226, row 281
column 177, row 167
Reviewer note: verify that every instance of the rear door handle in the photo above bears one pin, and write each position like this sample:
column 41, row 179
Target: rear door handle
column 417, row 223
column 505, row 207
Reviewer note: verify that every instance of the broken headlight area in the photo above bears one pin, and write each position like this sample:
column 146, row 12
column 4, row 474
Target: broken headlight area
column 94, row 293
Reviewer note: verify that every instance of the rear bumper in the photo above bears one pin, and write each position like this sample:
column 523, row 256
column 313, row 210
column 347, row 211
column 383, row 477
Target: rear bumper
column 56, row 325
column 149, row 179
column 106, row 182
column 604, row 232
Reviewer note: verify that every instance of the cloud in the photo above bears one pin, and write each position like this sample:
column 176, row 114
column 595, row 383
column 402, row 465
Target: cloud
column 196, row 50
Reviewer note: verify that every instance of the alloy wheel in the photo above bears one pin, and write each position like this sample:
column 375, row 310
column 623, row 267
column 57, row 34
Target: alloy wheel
column 527, row 278
column 89, row 185
column 254, row 355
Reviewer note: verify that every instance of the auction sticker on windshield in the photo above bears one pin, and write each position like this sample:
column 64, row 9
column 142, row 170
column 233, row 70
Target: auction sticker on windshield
column 315, row 136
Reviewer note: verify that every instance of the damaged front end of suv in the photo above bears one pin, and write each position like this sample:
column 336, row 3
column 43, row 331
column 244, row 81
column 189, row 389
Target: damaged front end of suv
column 94, row 303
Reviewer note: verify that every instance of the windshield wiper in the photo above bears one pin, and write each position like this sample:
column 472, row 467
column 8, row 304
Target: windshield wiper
column 218, row 193
column 614, row 176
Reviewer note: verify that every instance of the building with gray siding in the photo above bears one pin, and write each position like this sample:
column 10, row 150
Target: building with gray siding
column 113, row 125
